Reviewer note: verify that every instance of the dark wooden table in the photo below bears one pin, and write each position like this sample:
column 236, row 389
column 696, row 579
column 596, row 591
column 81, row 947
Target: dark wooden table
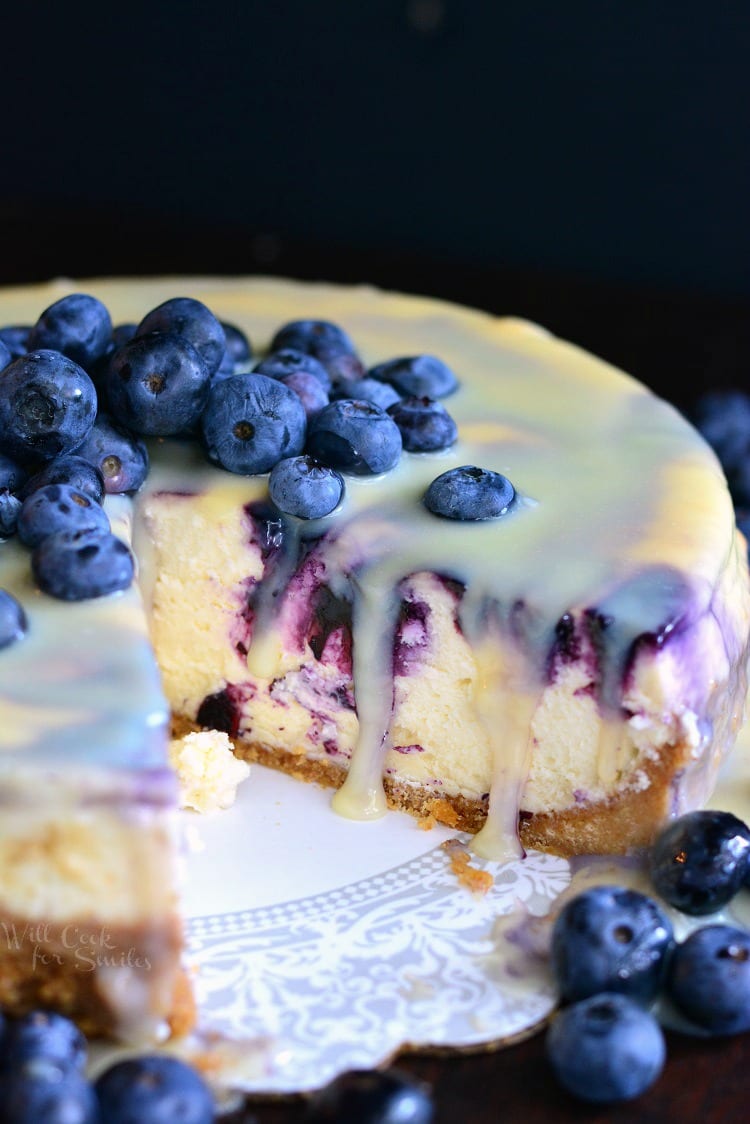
column 679, row 343
column 703, row 1081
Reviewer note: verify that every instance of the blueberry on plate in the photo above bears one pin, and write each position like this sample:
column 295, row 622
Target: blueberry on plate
column 58, row 507
column 606, row 1048
column 324, row 341
column 609, row 938
column 425, row 425
column 157, row 385
column 72, row 469
column 417, row 376
column 251, row 422
column 303, row 487
column 47, row 406
column 698, row 862
column 10, row 509
column 154, row 1089
column 44, row 1034
column 370, row 1096
column 78, row 325
column 290, row 361
column 709, row 979
column 356, row 437
column 191, row 320
column 78, row 565
column 118, row 453
column 469, row 493
column 13, row 623
column 40, row 1093
column 368, row 390
column 16, row 339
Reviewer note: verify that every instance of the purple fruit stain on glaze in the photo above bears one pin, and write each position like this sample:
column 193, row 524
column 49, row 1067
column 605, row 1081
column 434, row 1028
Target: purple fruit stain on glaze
column 331, row 614
column 344, row 696
column 268, row 528
column 409, row 748
column 331, row 747
column 411, row 637
column 567, row 643
column 222, row 710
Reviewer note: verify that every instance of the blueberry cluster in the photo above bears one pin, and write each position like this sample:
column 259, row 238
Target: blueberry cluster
column 42, row 1078
column 614, row 953
column 78, row 395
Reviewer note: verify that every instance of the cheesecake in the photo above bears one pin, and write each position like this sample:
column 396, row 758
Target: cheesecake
column 564, row 673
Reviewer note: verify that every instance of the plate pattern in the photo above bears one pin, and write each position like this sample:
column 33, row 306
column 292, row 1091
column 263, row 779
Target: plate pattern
column 408, row 956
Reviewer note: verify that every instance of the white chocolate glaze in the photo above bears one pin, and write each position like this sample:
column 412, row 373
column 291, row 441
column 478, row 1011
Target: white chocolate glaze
column 623, row 511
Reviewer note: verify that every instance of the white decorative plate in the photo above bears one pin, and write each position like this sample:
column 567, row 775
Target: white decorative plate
column 342, row 941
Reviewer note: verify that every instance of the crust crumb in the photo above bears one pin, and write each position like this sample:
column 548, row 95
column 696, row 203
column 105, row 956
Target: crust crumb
column 443, row 812
column 478, row 881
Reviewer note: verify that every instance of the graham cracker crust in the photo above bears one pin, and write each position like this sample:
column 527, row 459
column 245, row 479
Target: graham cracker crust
column 626, row 822
column 64, row 967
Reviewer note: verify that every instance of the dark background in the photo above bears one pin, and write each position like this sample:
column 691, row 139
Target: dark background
column 585, row 163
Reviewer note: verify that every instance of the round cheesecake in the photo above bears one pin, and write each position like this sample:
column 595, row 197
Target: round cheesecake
column 564, row 674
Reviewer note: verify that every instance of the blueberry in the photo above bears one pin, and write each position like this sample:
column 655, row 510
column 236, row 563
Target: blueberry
column 290, row 361
column 157, row 385
column 610, row 938
column 5, row 355
column 356, row 437
column 47, row 406
column 77, row 565
column 58, row 507
column 40, row 1093
column 13, row 623
column 10, row 509
column 192, row 320
column 324, row 341
column 251, row 422
column 368, row 390
column 301, row 486
column 225, row 369
column 154, row 1090
column 709, row 978
column 12, row 476
column 425, row 425
column 723, row 417
column 123, row 333
column 606, row 1048
column 72, row 469
column 238, row 346
column 118, row 453
column 78, row 325
column 371, row 1097
column 16, row 338
column 309, row 391
column 417, row 375
column 699, row 861
column 469, row 493
column 44, row 1034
